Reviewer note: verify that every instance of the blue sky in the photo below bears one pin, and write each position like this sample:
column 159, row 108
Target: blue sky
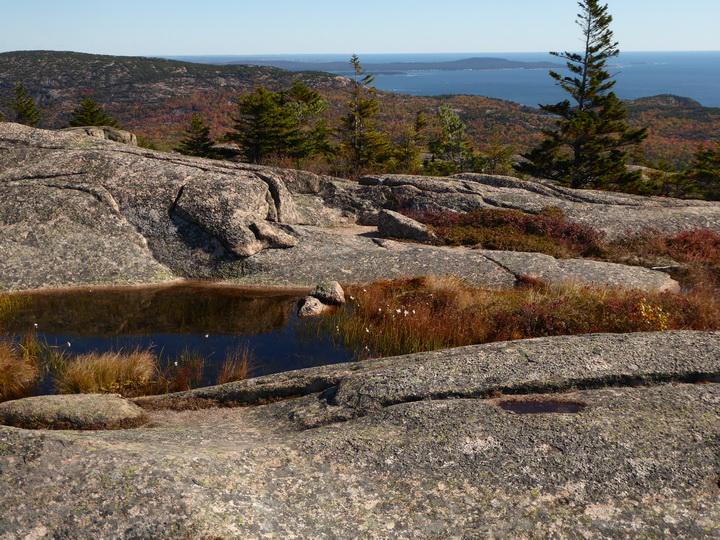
column 183, row 27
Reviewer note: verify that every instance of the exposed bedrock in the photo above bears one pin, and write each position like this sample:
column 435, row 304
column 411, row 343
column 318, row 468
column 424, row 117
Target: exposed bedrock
column 623, row 439
column 76, row 210
column 422, row 446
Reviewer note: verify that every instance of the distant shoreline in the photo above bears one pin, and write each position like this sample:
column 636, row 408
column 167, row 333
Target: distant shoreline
column 465, row 64
column 517, row 77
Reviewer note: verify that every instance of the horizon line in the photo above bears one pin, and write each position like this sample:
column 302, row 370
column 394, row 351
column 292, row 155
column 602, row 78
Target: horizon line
column 166, row 55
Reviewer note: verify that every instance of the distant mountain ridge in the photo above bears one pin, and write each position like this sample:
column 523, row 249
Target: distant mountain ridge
column 138, row 91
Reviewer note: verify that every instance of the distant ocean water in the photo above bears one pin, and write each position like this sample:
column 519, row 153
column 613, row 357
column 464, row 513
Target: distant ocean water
column 639, row 74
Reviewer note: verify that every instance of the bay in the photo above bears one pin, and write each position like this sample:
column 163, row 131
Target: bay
column 638, row 74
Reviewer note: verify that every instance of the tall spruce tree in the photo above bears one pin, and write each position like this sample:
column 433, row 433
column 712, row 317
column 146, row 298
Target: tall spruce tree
column 363, row 144
column 90, row 113
column 196, row 140
column 26, row 111
column 588, row 145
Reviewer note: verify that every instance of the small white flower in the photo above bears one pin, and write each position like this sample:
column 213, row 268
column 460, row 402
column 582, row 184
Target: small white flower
column 176, row 363
column 406, row 312
column 68, row 344
column 207, row 335
column 398, row 311
column 35, row 324
column 367, row 330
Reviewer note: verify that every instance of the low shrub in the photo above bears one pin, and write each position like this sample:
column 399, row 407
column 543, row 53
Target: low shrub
column 693, row 256
column 547, row 232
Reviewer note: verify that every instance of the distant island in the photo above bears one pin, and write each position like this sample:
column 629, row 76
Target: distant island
column 465, row 64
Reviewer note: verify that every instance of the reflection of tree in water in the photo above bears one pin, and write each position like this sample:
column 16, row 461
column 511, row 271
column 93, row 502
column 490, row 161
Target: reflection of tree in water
column 185, row 308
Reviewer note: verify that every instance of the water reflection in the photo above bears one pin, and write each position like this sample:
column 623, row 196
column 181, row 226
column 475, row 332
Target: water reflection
column 208, row 319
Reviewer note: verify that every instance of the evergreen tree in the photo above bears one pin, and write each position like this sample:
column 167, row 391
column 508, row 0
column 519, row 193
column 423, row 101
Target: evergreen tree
column 703, row 177
column 26, row 111
column 306, row 106
column 451, row 151
column 407, row 151
column 361, row 141
column 587, row 146
column 499, row 158
column 90, row 113
column 282, row 124
column 264, row 126
column 196, row 140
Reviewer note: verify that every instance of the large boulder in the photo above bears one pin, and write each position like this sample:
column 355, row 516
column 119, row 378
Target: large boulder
column 394, row 225
column 225, row 212
column 81, row 411
column 106, row 132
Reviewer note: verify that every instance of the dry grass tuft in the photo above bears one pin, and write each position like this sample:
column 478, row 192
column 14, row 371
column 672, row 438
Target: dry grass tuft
column 128, row 374
column 186, row 372
column 18, row 373
column 237, row 366
column 412, row 315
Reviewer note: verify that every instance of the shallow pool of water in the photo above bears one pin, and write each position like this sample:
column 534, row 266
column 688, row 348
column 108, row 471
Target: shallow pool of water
column 541, row 406
column 205, row 319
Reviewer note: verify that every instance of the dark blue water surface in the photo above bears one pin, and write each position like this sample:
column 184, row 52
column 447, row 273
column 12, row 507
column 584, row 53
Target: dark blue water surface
column 208, row 320
column 639, row 74
column 689, row 74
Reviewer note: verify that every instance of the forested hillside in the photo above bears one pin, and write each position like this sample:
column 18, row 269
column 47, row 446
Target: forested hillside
column 156, row 98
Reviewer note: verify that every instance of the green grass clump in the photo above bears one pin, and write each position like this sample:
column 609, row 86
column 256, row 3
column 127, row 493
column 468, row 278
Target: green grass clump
column 412, row 315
